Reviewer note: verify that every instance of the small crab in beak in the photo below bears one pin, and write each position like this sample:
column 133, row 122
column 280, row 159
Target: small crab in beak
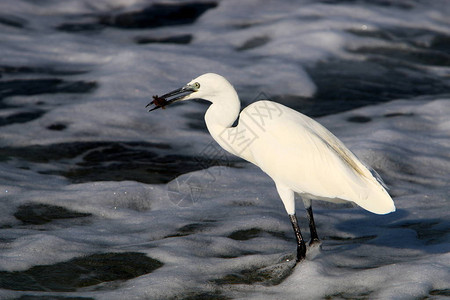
column 178, row 95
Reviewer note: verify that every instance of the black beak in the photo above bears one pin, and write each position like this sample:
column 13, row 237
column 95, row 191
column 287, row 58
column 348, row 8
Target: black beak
column 163, row 101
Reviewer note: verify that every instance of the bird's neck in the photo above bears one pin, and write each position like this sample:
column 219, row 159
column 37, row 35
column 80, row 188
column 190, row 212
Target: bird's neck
column 221, row 115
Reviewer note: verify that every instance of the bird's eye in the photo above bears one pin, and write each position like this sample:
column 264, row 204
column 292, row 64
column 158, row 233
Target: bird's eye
column 196, row 85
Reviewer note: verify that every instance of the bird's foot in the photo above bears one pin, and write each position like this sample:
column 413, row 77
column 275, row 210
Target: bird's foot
column 314, row 242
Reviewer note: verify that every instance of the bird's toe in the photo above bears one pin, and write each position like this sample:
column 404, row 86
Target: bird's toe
column 315, row 242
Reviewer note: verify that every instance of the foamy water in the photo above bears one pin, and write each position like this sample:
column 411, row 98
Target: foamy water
column 103, row 200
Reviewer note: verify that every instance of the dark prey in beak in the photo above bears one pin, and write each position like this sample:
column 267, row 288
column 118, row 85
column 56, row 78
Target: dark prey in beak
column 159, row 102
column 162, row 102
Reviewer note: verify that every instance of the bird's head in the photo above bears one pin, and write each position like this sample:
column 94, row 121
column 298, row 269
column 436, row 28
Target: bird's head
column 204, row 87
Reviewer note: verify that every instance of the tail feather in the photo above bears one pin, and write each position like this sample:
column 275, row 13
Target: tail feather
column 378, row 178
column 375, row 198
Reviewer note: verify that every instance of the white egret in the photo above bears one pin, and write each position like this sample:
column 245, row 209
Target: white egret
column 299, row 154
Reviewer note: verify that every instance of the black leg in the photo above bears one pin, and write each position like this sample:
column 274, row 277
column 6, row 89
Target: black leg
column 301, row 247
column 312, row 227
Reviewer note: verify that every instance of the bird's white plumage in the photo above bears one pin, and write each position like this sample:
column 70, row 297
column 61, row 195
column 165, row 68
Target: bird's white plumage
column 302, row 155
column 298, row 153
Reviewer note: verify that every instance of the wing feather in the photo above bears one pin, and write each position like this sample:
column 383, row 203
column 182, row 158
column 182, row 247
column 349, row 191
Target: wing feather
column 304, row 155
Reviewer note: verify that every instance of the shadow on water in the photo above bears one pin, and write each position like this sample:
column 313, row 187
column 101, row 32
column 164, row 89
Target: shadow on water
column 400, row 231
column 51, row 297
column 39, row 214
column 21, row 117
column 112, row 161
column 13, row 21
column 398, row 71
column 80, row 272
column 29, row 87
column 174, row 39
column 153, row 16
column 345, row 85
column 382, row 3
column 270, row 275
column 37, row 86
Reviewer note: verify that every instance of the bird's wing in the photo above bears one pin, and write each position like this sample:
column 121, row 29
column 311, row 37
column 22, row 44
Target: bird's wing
column 299, row 152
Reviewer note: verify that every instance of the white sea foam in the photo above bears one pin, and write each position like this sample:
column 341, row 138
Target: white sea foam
column 192, row 224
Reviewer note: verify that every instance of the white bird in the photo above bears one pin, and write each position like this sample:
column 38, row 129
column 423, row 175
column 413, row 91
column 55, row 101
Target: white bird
column 299, row 154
